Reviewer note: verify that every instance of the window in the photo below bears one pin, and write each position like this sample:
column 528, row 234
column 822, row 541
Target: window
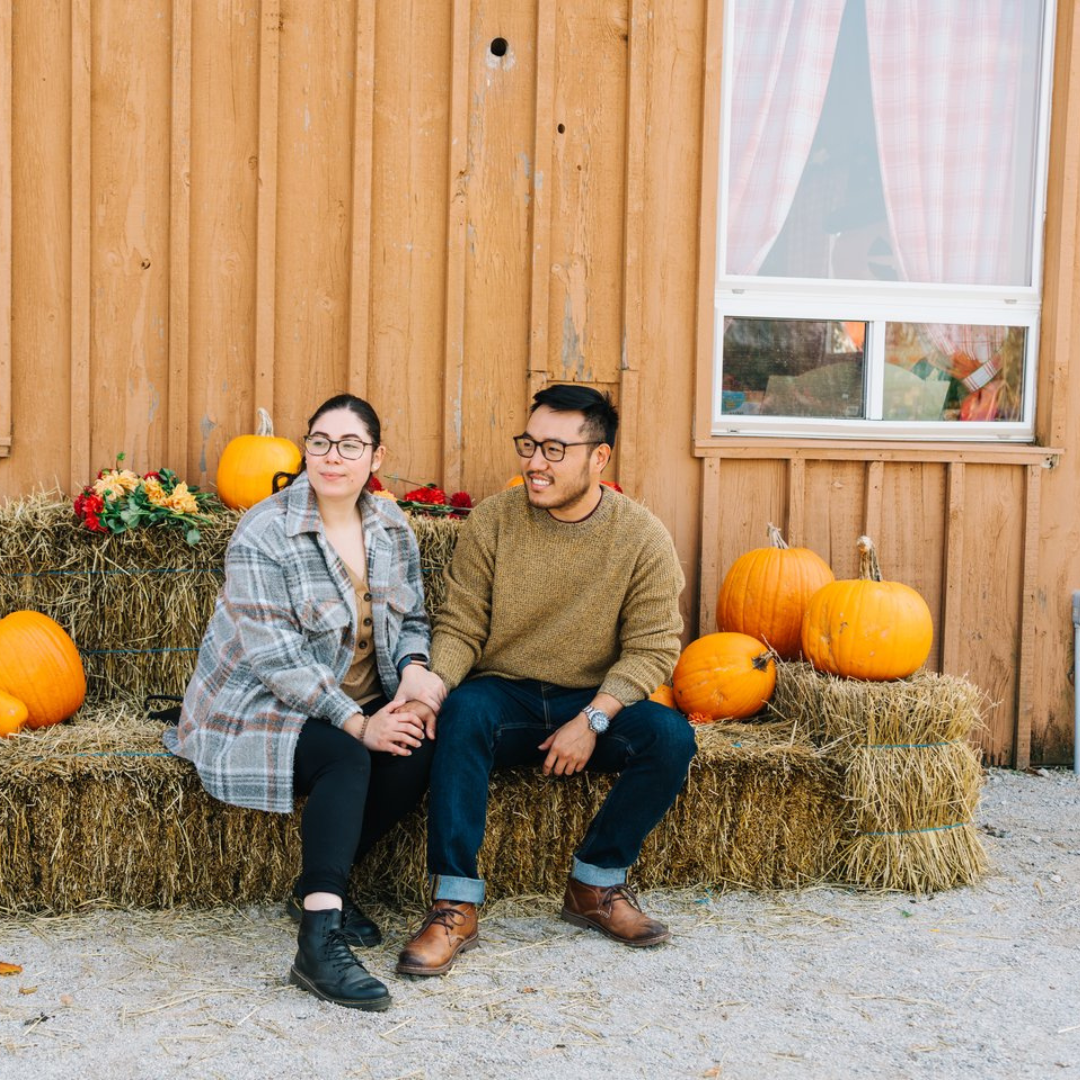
column 881, row 204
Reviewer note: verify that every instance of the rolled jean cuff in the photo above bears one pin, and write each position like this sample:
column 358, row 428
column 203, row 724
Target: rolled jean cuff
column 588, row 874
column 464, row 890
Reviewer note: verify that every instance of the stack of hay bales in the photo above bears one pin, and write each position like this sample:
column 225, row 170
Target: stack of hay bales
column 911, row 778
column 96, row 811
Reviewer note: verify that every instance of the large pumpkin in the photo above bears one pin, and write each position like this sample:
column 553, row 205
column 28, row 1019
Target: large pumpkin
column 249, row 463
column 13, row 715
column 724, row 676
column 766, row 591
column 40, row 666
column 867, row 628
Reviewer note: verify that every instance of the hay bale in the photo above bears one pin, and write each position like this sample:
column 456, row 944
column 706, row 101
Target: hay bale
column 95, row 811
column 137, row 604
column 911, row 777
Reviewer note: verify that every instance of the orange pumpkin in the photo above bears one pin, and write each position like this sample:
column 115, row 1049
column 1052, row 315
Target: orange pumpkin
column 665, row 695
column 12, row 715
column 40, row 666
column 867, row 628
column 765, row 593
column 248, row 464
column 724, row 676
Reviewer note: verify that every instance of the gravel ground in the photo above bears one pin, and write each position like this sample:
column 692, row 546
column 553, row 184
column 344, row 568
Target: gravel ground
column 977, row 982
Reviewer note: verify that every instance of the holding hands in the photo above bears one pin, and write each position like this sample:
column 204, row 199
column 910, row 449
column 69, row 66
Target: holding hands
column 424, row 687
column 397, row 728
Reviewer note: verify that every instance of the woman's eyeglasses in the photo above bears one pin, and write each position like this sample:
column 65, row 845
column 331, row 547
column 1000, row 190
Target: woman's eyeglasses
column 349, row 447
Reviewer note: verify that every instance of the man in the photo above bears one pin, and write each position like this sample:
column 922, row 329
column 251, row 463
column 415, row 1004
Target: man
column 561, row 617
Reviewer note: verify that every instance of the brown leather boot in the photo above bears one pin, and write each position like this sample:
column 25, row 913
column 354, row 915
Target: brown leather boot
column 448, row 928
column 614, row 911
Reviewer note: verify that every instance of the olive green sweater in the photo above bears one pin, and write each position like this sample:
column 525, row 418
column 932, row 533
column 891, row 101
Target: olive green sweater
column 594, row 603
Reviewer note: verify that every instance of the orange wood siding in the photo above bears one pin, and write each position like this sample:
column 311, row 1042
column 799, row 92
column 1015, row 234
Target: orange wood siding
column 208, row 206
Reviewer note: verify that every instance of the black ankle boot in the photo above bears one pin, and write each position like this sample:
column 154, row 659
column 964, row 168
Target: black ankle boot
column 355, row 925
column 326, row 967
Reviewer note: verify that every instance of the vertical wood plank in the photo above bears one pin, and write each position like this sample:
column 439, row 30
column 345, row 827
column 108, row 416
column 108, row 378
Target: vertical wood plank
column 179, row 344
column 709, row 581
column 359, row 314
column 1025, row 688
column 953, row 591
column 81, row 86
column 875, row 478
column 456, row 245
column 546, row 131
column 6, row 150
column 707, row 253
column 270, row 23
column 796, row 500
column 633, row 312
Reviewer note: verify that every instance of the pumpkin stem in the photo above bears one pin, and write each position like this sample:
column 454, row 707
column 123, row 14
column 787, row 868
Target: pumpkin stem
column 266, row 425
column 869, row 567
column 775, row 538
column 761, row 661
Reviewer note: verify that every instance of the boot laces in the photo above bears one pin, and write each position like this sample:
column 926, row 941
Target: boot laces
column 338, row 952
column 446, row 917
column 619, row 892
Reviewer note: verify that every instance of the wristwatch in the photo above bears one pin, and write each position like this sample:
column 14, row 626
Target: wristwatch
column 598, row 719
column 412, row 658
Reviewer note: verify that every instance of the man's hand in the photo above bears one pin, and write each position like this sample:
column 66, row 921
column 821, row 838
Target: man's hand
column 569, row 747
column 419, row 684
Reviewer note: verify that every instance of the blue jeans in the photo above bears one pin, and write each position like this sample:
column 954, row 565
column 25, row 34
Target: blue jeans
column 491, row 721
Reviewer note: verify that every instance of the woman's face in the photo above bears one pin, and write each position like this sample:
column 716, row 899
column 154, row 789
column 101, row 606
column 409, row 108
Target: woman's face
column 332, row 475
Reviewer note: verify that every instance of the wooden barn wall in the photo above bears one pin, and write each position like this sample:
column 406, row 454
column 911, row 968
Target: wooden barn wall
column 208, row 206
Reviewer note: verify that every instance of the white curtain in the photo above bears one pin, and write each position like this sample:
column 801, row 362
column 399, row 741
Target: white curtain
column 783, row 58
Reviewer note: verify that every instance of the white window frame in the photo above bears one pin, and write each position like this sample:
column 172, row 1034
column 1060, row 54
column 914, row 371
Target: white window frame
column 861, row 301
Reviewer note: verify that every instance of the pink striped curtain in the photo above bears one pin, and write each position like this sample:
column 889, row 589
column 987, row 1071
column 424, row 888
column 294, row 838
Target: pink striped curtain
column 944, row 80
column 783, row 57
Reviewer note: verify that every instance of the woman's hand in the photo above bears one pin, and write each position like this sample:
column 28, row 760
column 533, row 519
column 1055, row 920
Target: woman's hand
column 394, row 729
column 419, row 684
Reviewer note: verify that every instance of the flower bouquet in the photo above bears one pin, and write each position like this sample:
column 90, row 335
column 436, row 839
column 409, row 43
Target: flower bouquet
column 120, row 500
column 428, row 499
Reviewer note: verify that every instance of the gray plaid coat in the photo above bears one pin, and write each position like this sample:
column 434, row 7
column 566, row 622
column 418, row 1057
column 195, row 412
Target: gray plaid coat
column 281, row 639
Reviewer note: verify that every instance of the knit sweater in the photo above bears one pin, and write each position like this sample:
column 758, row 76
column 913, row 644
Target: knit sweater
column 590, row 603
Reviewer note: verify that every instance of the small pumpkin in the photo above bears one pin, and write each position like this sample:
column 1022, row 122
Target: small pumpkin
column 249, row 463
column 766, row 590
column 41, row 667
column 867, row 628
column 724, row 676
column 13, row 715
column 665, row 695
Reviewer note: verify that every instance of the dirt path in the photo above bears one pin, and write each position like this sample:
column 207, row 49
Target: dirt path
column 980, row 982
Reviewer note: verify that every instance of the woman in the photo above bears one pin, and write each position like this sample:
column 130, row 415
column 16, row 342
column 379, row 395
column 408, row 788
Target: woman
column 312, row 681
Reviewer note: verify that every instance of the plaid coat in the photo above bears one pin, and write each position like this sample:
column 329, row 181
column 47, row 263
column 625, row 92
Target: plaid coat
column 281, row 639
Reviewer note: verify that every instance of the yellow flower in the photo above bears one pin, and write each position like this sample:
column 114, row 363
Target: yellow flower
column 154, row 491
column 181, row 501
column 384, row 494
column 116, row 482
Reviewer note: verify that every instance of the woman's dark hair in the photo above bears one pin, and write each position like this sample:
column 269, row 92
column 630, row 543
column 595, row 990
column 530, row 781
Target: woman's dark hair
column 601, row 416
column 360, row 408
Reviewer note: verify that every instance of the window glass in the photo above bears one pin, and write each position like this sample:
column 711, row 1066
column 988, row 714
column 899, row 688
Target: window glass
column 882, row 185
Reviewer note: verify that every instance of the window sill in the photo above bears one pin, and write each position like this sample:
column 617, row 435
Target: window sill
column 749, row 448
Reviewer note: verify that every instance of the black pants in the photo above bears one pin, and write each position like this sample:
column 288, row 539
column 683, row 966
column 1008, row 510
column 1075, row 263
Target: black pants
column 354, row 797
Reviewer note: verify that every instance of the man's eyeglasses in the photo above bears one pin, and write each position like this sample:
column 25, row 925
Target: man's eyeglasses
column 552, row 449
column 349, row 448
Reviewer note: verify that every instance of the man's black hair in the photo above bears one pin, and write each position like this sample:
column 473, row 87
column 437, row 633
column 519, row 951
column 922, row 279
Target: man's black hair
column 601, row 416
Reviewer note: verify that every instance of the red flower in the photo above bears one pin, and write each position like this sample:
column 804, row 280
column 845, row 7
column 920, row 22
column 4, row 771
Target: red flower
column 461, row 499
column 431, row 495
column 374, row 484
column 152, row 476
column 612, row 484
